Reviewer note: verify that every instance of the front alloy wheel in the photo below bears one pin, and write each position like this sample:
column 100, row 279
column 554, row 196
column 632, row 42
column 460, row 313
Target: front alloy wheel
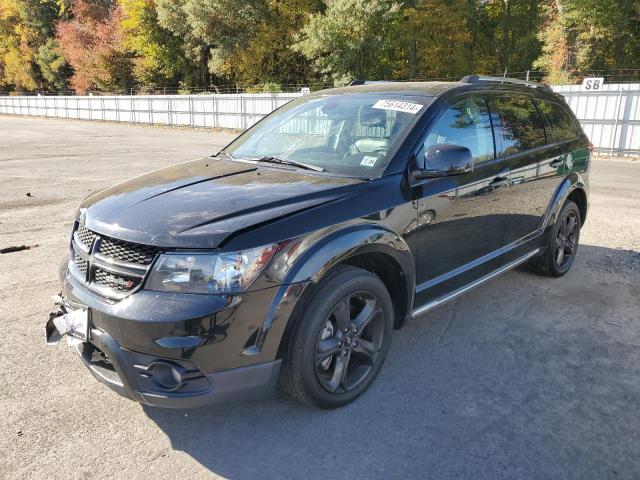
column 340, row 340
column 349, row 342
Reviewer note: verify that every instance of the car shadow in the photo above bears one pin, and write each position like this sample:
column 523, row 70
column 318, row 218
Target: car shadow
column 526, row 377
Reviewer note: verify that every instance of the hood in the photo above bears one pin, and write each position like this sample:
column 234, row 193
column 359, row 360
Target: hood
column 199, row 204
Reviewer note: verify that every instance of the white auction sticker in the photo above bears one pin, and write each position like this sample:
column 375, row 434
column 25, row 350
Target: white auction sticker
column 398, row 106
column 368, row 161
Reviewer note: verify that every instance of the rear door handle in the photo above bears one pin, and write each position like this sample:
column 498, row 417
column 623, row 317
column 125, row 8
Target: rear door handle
column 499, row 182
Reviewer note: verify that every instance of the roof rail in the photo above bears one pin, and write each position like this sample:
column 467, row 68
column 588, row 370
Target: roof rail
column 353, row 83
column 488, row 78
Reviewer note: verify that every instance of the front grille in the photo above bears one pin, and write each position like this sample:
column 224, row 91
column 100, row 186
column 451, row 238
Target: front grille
column 111, row 267
column 115, row 281
column 86, row 236
column 127, row 252
column 81, row 264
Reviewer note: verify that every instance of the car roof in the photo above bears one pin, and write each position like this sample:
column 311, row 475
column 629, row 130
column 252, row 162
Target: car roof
column 425, row 89
column 435, row 89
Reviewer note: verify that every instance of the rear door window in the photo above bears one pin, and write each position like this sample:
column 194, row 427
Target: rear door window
column 465, row 123
column 519, row 125
column 562, row 125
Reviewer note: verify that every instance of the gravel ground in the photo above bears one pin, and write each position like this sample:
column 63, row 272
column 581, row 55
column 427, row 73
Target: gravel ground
column 526, row 377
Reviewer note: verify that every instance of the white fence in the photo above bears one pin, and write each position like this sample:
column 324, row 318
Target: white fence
column 610, row 117
column 212, row 110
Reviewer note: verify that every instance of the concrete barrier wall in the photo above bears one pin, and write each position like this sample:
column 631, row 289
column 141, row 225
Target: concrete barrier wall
column 610, row 116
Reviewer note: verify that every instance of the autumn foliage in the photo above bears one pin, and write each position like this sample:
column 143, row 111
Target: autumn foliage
column 92, row 43
column 120, row 45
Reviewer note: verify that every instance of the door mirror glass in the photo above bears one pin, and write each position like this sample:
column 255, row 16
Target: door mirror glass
column 445, row 159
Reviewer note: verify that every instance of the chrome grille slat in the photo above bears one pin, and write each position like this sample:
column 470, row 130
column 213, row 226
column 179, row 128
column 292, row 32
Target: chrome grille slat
column 85, row 236
column 81, row 264
column 127, row 252
column 110, row 267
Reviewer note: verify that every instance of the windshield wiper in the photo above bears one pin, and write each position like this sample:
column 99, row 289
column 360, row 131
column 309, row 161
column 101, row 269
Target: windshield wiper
column 227, row 154
column 285, row 161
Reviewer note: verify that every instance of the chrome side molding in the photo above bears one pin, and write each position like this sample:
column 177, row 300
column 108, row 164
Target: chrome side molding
column 476, row 283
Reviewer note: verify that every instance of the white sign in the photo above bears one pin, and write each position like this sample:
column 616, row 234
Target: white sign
column 368, row 161
column 592, row 83
column 398, row 106
column 305, row 90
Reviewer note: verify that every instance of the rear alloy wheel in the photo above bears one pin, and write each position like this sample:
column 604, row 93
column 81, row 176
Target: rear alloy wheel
column 566, row 240
column 340, row 340
column 562, row 243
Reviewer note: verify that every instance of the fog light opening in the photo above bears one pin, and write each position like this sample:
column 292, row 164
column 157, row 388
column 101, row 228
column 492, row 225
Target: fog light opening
column 166, row 375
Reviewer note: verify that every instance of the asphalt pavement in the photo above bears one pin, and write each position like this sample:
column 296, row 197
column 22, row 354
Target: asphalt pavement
column 524, row 378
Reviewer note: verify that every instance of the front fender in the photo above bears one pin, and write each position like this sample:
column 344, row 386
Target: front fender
column 313, row 260
column 306, row 260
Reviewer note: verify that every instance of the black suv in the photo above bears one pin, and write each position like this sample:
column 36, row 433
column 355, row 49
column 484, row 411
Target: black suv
column 291, row 256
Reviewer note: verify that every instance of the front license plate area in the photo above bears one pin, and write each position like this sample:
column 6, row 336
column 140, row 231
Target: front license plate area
column 75, row 324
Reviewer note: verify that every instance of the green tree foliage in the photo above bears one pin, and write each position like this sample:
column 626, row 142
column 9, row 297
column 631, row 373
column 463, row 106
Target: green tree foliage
column 54, row 69
column 26, row 26
column 434, row 48
column 352, row 39
column 115, row 45
column 157, row 56
column 589, row 35
column 505, row 34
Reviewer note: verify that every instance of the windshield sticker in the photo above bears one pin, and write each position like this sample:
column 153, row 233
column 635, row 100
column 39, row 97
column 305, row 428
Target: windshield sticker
column 406, row 107
column 368, row 161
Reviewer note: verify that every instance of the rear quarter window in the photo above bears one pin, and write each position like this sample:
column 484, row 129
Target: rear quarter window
column 562, row 125
column 519, row 125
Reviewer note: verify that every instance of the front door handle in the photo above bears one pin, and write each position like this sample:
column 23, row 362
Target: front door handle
column 556, row 163
column 499, row 182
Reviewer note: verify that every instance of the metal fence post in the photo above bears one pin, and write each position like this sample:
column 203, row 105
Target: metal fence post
column 216, row 116
column 615, row 127
column 624, row 123
column 243, row 112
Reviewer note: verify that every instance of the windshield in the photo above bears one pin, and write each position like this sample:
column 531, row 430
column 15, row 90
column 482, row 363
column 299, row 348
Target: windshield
column 354, row 135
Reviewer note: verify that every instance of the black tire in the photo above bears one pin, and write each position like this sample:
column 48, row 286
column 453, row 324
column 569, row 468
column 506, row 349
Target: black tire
column 309, row 371
column 562, row 243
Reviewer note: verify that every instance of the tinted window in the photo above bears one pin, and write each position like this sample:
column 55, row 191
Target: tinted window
column 465, row 123
column 519, row 124
column 561, row 123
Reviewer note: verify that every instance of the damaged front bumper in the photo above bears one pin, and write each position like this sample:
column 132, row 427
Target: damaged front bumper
column 176, row 351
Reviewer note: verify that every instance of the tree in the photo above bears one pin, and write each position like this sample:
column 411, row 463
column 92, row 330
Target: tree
column 25, row 27
column 212, row 31
column 268, row 57
column 92, row 43
column 504, row 34
column 352, row 39
column 158, row 58
column 582, row 35
column 436, row 39
column 53, row 67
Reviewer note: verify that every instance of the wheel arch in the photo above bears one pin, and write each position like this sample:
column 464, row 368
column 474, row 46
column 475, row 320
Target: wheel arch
column 573, row 187
column 370, row 247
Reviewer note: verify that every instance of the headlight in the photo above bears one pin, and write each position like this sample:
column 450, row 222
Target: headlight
column 207, row 273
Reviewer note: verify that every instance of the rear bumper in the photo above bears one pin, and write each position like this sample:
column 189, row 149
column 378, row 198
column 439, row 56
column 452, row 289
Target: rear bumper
column 126, row 373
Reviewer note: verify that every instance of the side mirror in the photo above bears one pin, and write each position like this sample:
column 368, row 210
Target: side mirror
column 443, row 160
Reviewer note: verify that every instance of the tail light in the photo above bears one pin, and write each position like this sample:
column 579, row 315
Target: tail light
column 591, row 148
